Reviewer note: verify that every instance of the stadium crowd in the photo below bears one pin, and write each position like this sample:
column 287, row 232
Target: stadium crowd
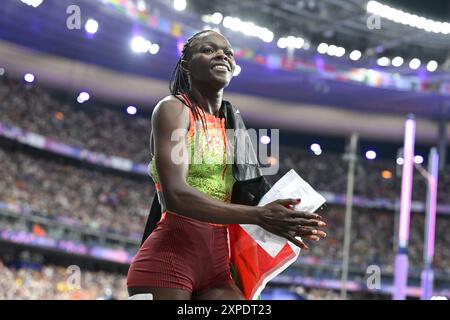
column 56, row 188
column 113, row 132
column 52, row 282
column 119, row 204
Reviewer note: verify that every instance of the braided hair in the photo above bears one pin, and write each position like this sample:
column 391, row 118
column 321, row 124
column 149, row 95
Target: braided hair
column 179, row 81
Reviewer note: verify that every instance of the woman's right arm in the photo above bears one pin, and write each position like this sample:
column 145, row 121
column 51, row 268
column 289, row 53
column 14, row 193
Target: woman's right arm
column 171, row 159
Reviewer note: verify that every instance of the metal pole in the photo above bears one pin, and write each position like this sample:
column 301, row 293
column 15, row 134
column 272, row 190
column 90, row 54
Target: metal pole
column 290, row 54
column 442, row 143
column 398, row 175
column 430, row 223
column 401, row 260
column 348, row 213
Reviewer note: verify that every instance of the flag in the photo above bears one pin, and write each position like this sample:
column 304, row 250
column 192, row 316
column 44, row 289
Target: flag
column 257, row 256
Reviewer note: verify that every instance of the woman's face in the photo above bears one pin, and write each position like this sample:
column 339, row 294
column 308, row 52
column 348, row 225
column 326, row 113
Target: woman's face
column 212, row 60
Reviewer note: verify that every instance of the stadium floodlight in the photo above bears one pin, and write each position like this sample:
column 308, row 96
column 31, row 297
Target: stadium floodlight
column 131, row 110
column 29, row 77
column 265, row 139
column 91, row 26
column 418, row 159
column 397, row 61
column 414, row 63
column 400, row 161
column 237, row 70
column 179, row 5
column 405, row 18
column 332, row 50
column 355, row 55
column 340, row 52
column 139, row 45
column 371, row 154
column 384, row 62
column 299, row 42
column 216, row 18
column 432, row 66
column 282, row 43
column 83, row 97
column 141, row 5
column 248, row 28
column 33, row 3
column 154, row 48
column 315, row 147
column 322, row 48
column 2, row 71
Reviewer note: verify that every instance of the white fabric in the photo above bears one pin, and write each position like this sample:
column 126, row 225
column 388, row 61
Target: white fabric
column 291, row 185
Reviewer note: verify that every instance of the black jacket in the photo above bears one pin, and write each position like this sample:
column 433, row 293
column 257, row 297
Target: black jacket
column 250, row 184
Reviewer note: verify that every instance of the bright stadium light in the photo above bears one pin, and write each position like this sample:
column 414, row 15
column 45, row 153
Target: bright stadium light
column 2, row 71
column 131, row 110
column 265, row 139
column 237, row 71
column 432, row 66
column 29, row 77
column 282, row 43
column 179, row 5
column 340, row 52
column 384, row 62
column 371, row 154
column 332, row 50
column 397, row 62
column 83, row 97
column 141, row 6
column 299, row 42
column 154, row 48
column 418, row 159
column 400, row 161
column 322, row 48
column 139, row 45
column 216, row 18
column 91, row 26
column 414, row 63
column 355, row 55
column 405, row 18
column 33, row 3
column 315, row 147
column 248, row 28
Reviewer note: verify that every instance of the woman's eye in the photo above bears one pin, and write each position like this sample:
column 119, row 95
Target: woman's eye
column 208, row 50
column 231, row 54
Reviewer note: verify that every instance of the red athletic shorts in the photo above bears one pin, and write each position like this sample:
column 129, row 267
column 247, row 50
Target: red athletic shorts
column 182, row 253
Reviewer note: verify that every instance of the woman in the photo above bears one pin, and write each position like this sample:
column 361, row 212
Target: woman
column 187, row 255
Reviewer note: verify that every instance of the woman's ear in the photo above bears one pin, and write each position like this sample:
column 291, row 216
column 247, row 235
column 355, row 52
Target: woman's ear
column 185, row 67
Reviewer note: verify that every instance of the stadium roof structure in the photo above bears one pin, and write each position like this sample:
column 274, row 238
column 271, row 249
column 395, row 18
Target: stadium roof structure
column 37, row 39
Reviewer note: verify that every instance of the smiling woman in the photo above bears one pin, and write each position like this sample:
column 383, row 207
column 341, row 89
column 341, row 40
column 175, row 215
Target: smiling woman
column 187, row 256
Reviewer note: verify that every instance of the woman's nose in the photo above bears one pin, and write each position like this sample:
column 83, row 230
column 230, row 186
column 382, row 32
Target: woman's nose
column 221, row 55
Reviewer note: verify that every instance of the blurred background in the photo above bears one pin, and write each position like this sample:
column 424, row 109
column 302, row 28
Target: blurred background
column 79, row 80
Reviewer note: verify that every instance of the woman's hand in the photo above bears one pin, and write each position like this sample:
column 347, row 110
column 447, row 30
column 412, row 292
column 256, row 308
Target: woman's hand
column 279, row 217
